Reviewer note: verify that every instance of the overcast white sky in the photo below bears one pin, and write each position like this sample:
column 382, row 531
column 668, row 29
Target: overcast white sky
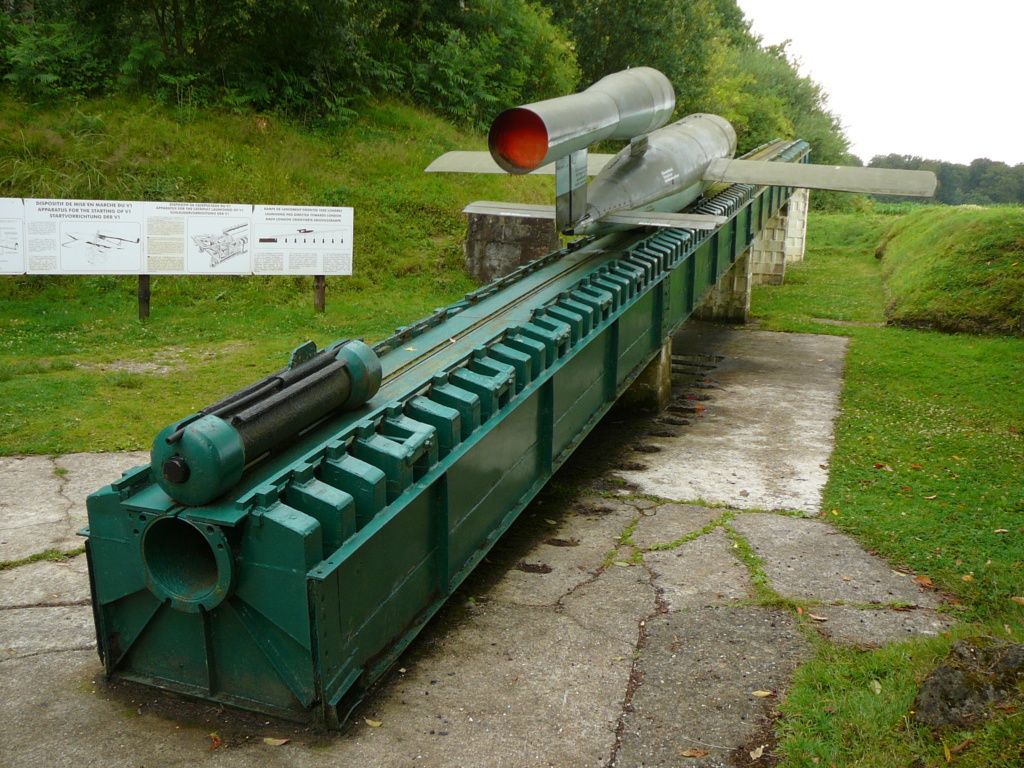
column 935, row 78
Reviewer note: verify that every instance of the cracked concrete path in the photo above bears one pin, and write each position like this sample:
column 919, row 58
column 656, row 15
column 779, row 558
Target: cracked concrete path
column 42, row 498
column 610, row 629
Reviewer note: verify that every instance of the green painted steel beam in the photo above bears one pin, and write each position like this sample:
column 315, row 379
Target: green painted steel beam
column 294, row 591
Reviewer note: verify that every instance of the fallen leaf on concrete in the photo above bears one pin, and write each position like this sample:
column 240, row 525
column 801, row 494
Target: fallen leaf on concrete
column 962, row 746
column 216, row 741
column 876, row 687
column 275, row 742
column 373, row 723
column 693, row 753
column 756, row 754
column 817, row 618
column 1018, row 600
column 924, row 581
column 847, row 578
column 762, row 694
column 621, row 564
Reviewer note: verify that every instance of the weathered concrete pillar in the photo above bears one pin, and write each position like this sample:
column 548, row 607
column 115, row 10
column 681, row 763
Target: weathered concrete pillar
column 496, row 245
column 652, row 389
column 796, row 225
column 768, row 252
column 729, row 300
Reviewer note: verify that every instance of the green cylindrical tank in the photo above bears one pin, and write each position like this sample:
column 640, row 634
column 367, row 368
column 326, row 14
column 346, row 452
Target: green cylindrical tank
column 200, row 457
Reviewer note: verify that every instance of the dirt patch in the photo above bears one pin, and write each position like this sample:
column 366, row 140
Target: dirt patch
column 562, row 542
column 533, row 567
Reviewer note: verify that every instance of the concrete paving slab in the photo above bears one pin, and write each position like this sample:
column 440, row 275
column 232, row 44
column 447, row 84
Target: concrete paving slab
column 765, row 435
column 42, row 498
column 698, row 671
column 54, row 715
column 86, row 473
column 33, row 511
column 699, row 573
column 573, row 552
column 848, row 625
column 514, row 686
column 811, row 560
column 45, row 583
column 670, row 522
column 30, row 631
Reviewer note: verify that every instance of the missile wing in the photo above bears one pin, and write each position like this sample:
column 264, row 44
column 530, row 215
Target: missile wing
column 840, row 178
column 463, row 161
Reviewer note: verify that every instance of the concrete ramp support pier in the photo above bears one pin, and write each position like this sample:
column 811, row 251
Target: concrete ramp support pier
column 497, row 244
column 781, row 241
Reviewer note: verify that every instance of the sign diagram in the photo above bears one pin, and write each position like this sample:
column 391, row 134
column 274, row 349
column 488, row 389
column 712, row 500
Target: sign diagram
column 114, row 246
column 231, row 242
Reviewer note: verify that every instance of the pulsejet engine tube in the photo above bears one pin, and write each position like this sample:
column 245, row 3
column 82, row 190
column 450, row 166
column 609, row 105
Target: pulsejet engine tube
column 620, row 106
column 200, row 457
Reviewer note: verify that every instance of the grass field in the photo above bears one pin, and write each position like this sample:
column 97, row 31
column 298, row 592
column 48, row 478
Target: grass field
column 927, row 471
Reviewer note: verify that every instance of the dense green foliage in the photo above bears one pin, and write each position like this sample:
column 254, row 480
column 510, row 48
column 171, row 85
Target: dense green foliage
column 983, row 182
column 317, row 57
column 956, row 269
column 465, row 60
column 707, row 50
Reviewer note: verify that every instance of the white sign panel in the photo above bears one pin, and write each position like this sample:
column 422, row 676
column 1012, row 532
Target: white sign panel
column 83, row 237
column 198, row 238
column 12, row 236
column 298, row 240
column 58, row 237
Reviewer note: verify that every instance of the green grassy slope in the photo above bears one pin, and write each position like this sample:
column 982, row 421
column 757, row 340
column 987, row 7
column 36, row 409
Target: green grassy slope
column 79, row 372
column 957, row 269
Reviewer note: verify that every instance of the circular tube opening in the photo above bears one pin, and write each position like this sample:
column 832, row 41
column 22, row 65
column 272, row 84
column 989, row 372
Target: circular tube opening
column 518, row 140
column 183, row 565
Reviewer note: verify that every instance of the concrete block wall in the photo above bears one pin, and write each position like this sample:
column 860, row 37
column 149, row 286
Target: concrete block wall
column 768, row 252
column 783, row 240
column 796, row 225
column 729, row 300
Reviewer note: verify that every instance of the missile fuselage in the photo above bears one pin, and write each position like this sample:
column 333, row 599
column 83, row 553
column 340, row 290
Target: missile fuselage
column 661, row 172
column 665, row 173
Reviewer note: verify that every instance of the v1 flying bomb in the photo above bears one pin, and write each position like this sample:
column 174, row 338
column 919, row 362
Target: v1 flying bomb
column 662, row 170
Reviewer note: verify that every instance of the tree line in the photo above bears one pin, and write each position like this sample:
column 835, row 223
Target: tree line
column 983, row 182
column 466, row 59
